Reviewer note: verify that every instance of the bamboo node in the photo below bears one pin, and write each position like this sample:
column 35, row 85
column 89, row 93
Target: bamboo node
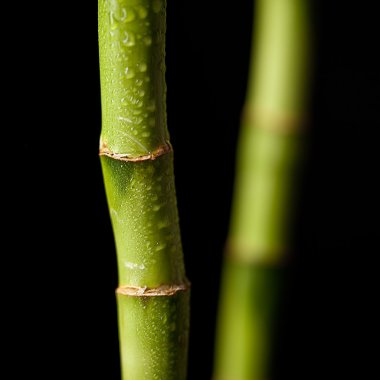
column 279, row 122
column 256, row 256
column 161, row 150
column 163, row 290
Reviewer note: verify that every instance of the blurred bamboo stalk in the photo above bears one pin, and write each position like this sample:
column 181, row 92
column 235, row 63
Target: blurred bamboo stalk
column 268, row 155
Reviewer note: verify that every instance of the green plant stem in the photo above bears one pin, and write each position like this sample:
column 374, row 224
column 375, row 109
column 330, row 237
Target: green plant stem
column 268, row 155
column 137, row 162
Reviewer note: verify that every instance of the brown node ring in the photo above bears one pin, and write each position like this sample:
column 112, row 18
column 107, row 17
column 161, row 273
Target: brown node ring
column 280, row 122
column 161, row 150
column 249, row 255
column 163, row 290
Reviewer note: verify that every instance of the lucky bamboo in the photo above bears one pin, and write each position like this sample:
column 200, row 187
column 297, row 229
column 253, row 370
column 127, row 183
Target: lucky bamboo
column 269, row 150
column 137, row 162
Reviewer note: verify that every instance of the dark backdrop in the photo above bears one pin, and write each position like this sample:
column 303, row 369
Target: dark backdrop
column 63, row 272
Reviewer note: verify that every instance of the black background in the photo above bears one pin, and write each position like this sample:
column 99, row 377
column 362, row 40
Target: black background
column 62, row 267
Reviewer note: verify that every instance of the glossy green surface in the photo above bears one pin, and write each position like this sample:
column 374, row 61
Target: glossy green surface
column 153, row 331
column 142, row 203
column 132, row 67
column 154, row 335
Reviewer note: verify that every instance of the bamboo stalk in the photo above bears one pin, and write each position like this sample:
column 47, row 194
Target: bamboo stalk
column 137, row 162
column 268, row 154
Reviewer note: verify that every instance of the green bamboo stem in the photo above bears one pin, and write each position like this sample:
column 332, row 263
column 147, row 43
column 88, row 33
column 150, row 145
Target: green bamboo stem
column 268, row 154
column 137, row 162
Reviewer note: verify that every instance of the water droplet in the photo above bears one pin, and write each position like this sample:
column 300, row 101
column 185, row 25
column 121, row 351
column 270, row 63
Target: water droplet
column 142, row 11
column 123, row 14
column 162, row 225
column 156, row 207
column 131, row 265
column 129, row 73
column 129, row 39
column 127, row 15
column 156, row 6
column 126, row 120
column 151, row 106
column 138, row 120
column 113, row 21
column 162, row 64
column 125, row 38
column 148, row 40
column 142, row 67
